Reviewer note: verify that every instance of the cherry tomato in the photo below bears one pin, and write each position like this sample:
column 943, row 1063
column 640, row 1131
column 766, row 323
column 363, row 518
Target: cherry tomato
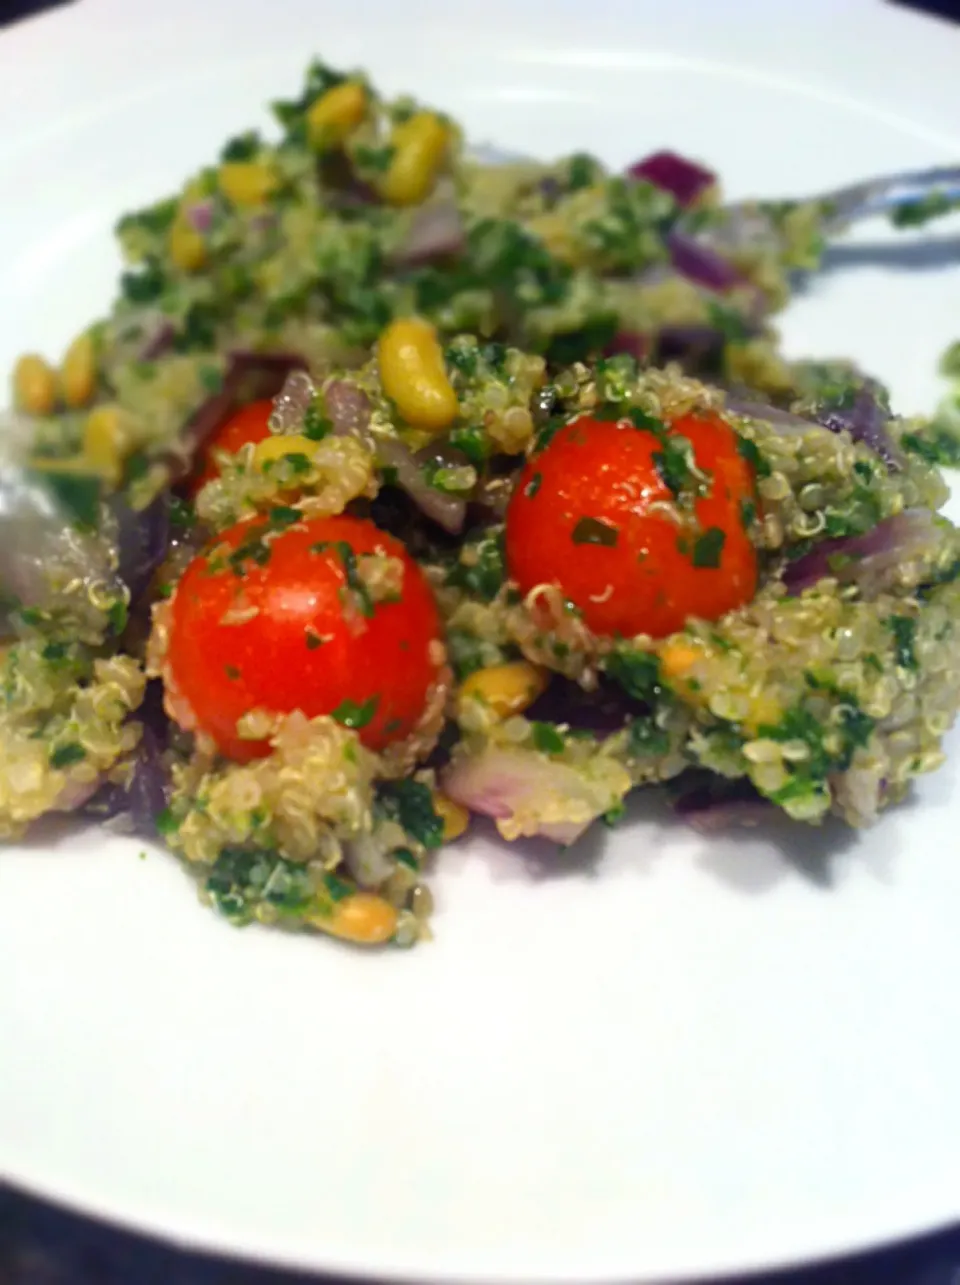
column 248, row 424
column 596, row 513
column 276, row 616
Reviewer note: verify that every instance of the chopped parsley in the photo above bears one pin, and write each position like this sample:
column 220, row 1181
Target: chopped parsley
column 482, row 569
column 645, row 739
column 672, row 463
column 749, row 451
column 595, row 531
column 77, row 494
column 708, row 547
column 904, row 630
column 937, row 443
column 533, row 486
column 316, row 425
column 349, row 714
column 67, row 755
column 242, row 148
column 637, row 672
column 313, row 640
column 240, row 881
column 547, row 739
column 411, row 804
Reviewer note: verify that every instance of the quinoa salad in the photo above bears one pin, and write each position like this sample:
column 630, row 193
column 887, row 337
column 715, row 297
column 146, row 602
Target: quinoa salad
column 398, row 488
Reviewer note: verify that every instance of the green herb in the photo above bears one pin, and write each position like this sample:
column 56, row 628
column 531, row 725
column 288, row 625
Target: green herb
column 904, row 630
column 77, row 494
column 67, row 755
column 645, row 739
column 350, row 714
column 613, row 816
column 54, row 652
column 406, row 858
column 637, row 672
column 672, row 462
column 411, row 804
column 313, row 640
column 316, row 425
column 211, row 377
column 938, row 443
column 547, row 739
column 182, row 513
column 595, row 531
column 145, row 285
column 117, row 614
column 730, row 323
column 915, row 213
column 481, row 570
column 473, row 441
column 708, row 547
column 242, row 148
column 375, row 159
column 154, row 220
column 749, row 451
column 284, row 515
column 231, row 672
column 533, row 486
column 253, row 549
column 167, row 822
column 748, row 513
column 338, row 889
column 241, row 880
column 582, row 171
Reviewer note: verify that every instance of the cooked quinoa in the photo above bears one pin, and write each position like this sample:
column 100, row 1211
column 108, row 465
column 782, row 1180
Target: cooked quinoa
column 429, row 330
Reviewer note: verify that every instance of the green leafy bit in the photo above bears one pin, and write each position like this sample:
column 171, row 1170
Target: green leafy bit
column 411, row 804
column 316, row 425
column 481, row 569
column 673, row 463
column 637, row 672
column 240, row 881
column 645, row 739
column 749, row 451
column 595, row 531
column 547, row 739
column 904, row 630
column 708, row 547
column 242, row 148
column 67, row 755
column 78, row 495
column 937, row 442
column 356, row 716
column 916, row 213
column 533, row 486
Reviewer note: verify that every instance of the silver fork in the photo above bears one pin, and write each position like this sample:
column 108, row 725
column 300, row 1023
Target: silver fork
column 884, row 194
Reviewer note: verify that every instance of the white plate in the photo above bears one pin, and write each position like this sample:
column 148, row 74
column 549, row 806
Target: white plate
column 679, row 1057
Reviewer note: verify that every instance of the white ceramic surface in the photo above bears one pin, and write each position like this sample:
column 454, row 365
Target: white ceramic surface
column 671, row 1056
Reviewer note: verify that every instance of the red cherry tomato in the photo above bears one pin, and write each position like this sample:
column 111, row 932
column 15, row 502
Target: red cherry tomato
column 248, row 424
column 280, row 619
column 596, row 513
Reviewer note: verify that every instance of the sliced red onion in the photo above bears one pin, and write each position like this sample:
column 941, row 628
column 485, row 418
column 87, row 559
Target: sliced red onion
column 200, row 215
column 436, row 231
column 158, row 341
column 290, row 404
column 143, row 537
column 692, row 346
column 866, row 420
column 684, row 179
column 702, row 264
column 448, row 511
column 718, row 805
column 135, row 807
column 872, row 561
column 348, row 407
column 500, row 783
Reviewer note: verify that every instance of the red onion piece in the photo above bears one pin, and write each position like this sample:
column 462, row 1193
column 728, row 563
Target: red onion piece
column 199, row 215
column 158, row 341
column 715, row 806
column 134, row 808
column 143, row 537
column 448, row 511
column 632, row 343
column 436, row 232
column 783, row 421
column 872, row 561
column 500, row 783
column 702, row 264
column 290, row 404
column 866, row 421
column 349, row 408
column 684, row 179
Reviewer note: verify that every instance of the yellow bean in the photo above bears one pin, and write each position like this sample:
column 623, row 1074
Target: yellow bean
column 455, row 818
column 414, row 376
column 34, row 385
column 363, row 918
column 420, row 149
column 104, row 444
column 78, row 371
column 677, row 659
column 247, row 182
column 279, row 445
column 188, row 249
column 336, row 114
column 505, row 689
